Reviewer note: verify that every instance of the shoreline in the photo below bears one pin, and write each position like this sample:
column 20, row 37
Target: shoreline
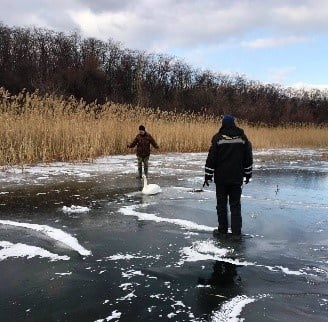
column 275, row 154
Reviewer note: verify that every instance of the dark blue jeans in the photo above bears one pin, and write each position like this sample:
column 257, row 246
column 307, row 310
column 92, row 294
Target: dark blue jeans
column 231, row 193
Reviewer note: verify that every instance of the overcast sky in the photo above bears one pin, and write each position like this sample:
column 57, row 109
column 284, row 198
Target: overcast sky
column 271, row 41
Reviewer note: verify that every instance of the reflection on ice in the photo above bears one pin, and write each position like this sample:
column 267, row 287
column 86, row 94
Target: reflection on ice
column 205, row 250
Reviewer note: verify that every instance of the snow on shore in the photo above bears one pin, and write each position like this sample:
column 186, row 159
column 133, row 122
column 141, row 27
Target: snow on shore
column 161, row 163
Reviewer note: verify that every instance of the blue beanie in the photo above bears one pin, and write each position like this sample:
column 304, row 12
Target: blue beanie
column 228, row 120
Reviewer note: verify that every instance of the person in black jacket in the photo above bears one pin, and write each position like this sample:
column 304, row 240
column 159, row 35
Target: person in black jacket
column 230, row 160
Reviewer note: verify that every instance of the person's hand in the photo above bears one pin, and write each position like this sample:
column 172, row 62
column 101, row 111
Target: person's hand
column 208, row 177
column 247, row 177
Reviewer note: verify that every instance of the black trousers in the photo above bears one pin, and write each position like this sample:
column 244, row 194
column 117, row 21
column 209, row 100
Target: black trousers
column 231, row 193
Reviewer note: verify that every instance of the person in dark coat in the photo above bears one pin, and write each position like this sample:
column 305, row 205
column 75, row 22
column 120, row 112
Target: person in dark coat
column 143, row 141
column 230, row 160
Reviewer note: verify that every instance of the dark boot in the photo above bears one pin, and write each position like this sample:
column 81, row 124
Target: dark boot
column 220, row 232
column 223, row 230
column 146, row 171
column 139, row 173
column 236, row 234
column 236, row 237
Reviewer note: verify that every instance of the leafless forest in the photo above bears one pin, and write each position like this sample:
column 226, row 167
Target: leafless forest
column 67, row 64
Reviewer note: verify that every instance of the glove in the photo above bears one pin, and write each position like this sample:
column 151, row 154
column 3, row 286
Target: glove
column 208, row 177
column 247, row 177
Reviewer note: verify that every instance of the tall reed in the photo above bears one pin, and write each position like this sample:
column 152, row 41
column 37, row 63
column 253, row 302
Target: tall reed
column 35, row 128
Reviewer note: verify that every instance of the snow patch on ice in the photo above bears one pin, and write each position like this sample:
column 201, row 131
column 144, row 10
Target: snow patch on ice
column 115, row 315
column 54, row 233
column 75, row 209
column 286, row 270
column 202, row 250
column 64, row 274
column 178, row 303
column 185, row 224
column 121, row 256
column 127, row 286
column 231, row 310
column 129, row 274
column 127, row 297
column 22, row 250
column 203, row 286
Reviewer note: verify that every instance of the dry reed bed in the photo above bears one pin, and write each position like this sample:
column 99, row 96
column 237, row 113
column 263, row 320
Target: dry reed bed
column 35, row 128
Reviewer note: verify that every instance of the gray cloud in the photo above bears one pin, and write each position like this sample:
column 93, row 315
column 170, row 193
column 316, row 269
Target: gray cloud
column 163, row 24
column 108, row 5
column 38, row 13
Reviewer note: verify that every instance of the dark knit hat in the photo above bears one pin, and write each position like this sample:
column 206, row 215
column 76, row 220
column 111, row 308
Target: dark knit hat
column 141, row 128
column 228, row 120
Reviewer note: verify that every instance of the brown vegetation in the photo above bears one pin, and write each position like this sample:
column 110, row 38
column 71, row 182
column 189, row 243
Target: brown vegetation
column 45, row 128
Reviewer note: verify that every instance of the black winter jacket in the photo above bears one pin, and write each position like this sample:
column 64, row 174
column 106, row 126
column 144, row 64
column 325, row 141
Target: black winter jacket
column 230, row 157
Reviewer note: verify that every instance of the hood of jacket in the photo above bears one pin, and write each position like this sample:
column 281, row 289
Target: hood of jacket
column 231, row 130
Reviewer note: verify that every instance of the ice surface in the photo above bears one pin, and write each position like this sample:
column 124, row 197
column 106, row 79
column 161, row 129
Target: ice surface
column 163, row 246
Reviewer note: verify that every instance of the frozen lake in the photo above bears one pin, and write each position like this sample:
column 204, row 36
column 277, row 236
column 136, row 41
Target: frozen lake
column 78, row 242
